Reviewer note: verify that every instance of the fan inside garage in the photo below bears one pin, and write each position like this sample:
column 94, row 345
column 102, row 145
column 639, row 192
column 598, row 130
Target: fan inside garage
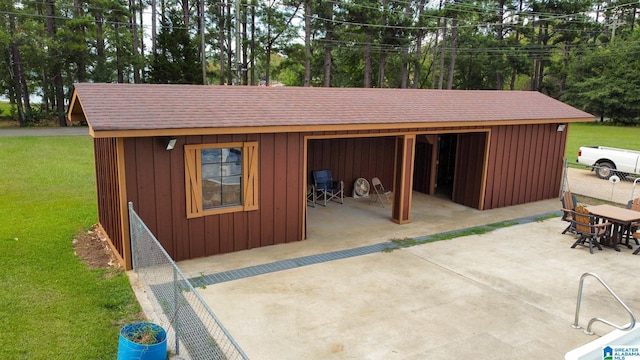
column 361, row 188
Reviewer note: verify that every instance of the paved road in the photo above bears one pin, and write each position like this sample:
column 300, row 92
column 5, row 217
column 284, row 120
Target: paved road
column 48, row 131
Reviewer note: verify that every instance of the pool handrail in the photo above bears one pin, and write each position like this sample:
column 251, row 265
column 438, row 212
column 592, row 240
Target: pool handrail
column 579, row 301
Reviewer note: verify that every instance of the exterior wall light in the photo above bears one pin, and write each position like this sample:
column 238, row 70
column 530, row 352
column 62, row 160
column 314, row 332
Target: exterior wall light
column 171, row 143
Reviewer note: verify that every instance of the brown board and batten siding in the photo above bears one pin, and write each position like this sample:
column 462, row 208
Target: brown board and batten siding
column 353, row 157
column 110, row 207
column 508, row 152
column 525, row 164
column 468, row 175
column 156, row 186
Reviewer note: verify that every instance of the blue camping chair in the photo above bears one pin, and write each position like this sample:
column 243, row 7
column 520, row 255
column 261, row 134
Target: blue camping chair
column 327, row 189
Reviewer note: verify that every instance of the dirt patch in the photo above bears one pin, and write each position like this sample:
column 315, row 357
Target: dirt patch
column 94, row 250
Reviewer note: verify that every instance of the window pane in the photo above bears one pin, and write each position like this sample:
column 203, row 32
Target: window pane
column 210, row 171
column 211, row 194
column 211, row 156
column 221, row 177
column 231, row 169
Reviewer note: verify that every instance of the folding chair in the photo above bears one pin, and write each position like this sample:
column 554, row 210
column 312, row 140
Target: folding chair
column 326, row 188
column 380, row 193
column 311, row 195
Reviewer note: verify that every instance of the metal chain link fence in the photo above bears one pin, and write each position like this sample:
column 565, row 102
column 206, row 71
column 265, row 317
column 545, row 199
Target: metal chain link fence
column 193, row 330
column 616, row 188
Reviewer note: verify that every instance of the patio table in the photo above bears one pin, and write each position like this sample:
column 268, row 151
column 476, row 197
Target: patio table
column 621, row 219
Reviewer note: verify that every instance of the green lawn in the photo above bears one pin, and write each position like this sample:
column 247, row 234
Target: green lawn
column 51, row 305
column 5, row 108
column 591, row 134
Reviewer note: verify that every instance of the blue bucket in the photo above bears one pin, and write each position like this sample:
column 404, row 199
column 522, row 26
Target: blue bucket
column 130, row 349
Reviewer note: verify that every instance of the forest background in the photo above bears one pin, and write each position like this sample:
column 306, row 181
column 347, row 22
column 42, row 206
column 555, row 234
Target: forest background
column 583, row 52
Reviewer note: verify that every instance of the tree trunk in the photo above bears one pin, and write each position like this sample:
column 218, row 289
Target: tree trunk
column 565, row 66
column 185, row 12
column 434, row 61
column 245, row 54
column 367, row 61
column 514, row 71
column 100, row 48
column 16, row 70
column 327, row 47
column 382, row 64
column 443, row 53
column 253, row 42
column 154, row 29
column 57, row 72
column 327, row 62
column 141, row 26
column 454, row 45
column 119, row 70
column 418, row 56
column 81, row 73
column 229, row 52
column 404, row 69
column 133, row 26
column 268, row 52
column 221, row 40
column 500, row 31
column 307, row 43
column 202, row 47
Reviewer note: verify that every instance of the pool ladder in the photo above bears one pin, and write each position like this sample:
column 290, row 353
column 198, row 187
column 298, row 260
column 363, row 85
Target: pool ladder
column 588, row 329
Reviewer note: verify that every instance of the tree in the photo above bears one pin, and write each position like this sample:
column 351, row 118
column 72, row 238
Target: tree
column 276, row 28
column 606, row 81
column 177, row 59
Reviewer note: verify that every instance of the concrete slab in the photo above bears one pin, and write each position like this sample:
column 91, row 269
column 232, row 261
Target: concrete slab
column 510, row 293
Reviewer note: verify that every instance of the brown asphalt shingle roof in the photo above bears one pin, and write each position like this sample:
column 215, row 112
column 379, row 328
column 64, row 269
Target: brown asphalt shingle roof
column 150, row 107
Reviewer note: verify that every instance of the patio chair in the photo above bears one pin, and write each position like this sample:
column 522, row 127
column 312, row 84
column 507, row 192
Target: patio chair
column 589, row 231
column 568, row 205
column 326, row 188
column 379, row 192
column 630, row 232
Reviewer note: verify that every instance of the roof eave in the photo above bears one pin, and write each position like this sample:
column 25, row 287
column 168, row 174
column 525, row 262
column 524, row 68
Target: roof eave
column 127, row 133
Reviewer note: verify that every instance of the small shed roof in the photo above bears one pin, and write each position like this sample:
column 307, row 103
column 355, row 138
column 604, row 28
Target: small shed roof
column 137, row 109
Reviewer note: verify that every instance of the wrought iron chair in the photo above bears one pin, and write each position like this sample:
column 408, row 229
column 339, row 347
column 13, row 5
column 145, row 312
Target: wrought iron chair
column 326, row 188
column 589, row 231
column 381, row 194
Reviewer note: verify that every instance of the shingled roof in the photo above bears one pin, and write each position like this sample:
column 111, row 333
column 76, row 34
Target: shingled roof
column 147, row 107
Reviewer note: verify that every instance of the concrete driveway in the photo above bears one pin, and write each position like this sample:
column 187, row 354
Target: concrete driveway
column 507, row 294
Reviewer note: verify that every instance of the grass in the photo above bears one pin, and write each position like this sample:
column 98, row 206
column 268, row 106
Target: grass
column 5, row 115
column 51, row 305
column 5, row 108
column 477, row 230
column 591, row 134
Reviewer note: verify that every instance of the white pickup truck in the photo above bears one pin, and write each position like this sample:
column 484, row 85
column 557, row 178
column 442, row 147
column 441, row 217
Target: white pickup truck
column 607, row 161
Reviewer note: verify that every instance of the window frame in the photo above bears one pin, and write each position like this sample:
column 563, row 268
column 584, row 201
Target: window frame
column 193, row 179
